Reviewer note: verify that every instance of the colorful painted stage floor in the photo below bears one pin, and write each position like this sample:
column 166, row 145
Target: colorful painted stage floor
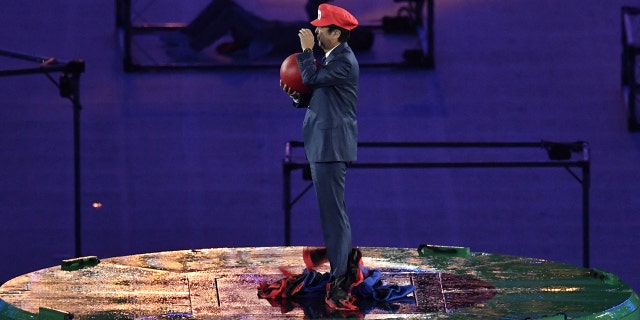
column 223, row 282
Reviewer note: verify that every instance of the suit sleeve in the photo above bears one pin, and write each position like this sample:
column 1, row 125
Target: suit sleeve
column 335, row 71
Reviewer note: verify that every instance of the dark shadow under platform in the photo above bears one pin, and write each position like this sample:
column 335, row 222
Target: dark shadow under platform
column 450, row 283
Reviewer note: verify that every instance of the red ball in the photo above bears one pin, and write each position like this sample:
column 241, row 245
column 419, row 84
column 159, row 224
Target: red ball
column 290, row 74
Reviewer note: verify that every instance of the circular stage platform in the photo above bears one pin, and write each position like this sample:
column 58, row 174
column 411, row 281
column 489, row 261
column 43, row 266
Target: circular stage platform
column 450, row 283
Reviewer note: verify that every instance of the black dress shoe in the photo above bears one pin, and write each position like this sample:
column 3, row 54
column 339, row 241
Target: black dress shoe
column 339, row 289
column 338, row 296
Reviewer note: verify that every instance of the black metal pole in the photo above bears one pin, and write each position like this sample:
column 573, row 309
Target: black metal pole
column 431, row 52
column 70, row 88
column 286, row 202
column 76, row 173
column 125, row 21
column 586, row 176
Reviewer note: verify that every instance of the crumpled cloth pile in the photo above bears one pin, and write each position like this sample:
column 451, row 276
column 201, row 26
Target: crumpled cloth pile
column 308, row 289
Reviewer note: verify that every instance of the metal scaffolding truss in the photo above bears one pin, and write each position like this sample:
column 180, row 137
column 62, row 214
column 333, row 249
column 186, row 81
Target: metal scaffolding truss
column 131, row 25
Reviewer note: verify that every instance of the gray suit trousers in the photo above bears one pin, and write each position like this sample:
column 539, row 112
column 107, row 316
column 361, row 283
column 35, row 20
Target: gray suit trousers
column 329, row 184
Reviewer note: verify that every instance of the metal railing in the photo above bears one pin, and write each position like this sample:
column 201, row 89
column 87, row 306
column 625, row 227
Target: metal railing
column 558, row 155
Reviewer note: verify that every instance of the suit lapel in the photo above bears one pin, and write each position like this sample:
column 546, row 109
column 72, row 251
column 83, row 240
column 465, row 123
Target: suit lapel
column 338, row 50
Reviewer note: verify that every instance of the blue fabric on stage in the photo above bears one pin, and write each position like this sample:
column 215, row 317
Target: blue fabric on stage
column 312, row 284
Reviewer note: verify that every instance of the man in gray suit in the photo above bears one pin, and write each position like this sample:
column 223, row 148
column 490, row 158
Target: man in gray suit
column 330, row 131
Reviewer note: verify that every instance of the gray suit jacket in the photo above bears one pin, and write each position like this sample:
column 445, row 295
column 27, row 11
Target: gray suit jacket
column 330, row 128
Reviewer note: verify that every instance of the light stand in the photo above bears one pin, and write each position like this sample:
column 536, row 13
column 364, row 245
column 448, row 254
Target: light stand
column 69, row 86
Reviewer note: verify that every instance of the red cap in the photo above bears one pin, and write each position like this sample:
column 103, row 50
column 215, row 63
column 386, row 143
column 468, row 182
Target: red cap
column 329, row 14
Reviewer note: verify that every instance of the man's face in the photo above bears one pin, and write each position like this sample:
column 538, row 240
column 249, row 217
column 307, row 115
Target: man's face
column 326, row 39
